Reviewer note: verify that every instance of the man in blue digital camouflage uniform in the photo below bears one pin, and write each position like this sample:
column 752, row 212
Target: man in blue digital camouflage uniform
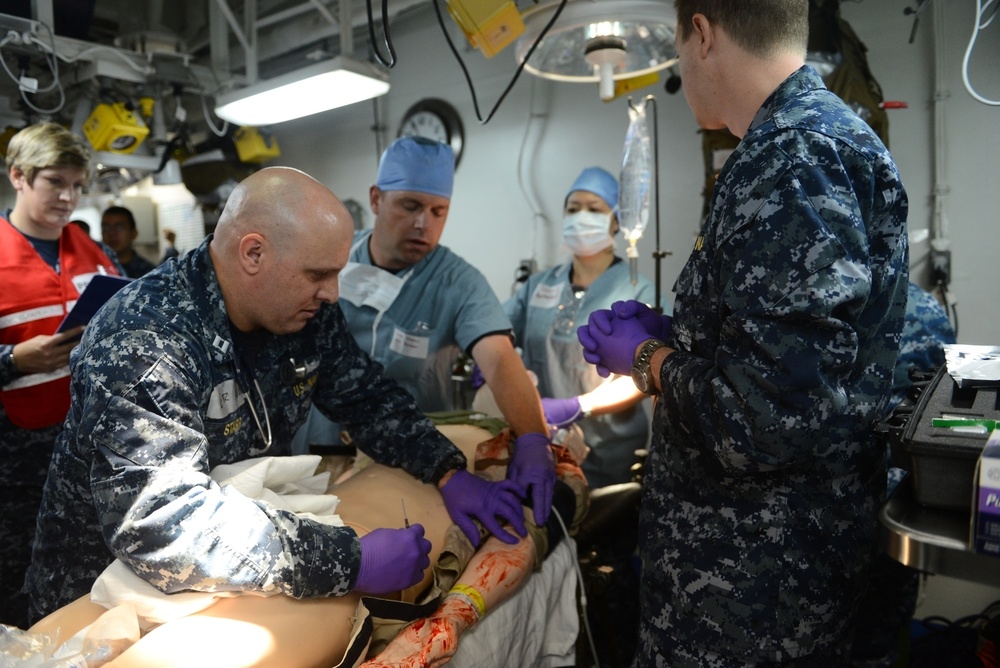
column 758, row 523
column 214, row 359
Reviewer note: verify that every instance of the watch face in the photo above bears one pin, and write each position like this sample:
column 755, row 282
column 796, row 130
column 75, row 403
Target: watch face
column 641, row 380
column 425, row 124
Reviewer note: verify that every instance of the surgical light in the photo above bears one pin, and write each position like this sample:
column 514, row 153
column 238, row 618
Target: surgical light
column 600, row 41
column 326, row 85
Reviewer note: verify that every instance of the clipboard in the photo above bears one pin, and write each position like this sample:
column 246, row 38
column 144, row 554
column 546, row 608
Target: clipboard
column 98, row 291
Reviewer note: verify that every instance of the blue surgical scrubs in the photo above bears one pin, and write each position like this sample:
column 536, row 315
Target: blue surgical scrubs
column 546, row 312
column 444, row 308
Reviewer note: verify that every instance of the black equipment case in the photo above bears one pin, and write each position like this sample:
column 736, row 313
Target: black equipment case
column 941, row 461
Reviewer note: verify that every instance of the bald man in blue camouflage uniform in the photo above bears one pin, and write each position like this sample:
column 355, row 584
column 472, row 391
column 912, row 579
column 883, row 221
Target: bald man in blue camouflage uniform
column 764, row 477
column 215, row 359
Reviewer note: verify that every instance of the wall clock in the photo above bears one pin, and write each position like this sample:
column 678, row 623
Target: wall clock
column 434, row 119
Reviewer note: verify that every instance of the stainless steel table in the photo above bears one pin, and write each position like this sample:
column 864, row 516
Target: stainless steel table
column 934, row 540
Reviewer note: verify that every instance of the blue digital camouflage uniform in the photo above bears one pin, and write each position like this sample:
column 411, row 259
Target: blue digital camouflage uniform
column 758, row 518
column 926, row 330
column 156, row 404
column 555, row 355
column 25, row 462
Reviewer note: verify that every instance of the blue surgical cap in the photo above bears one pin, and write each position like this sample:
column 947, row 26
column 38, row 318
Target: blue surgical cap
column 417, row 164
column 598, row 181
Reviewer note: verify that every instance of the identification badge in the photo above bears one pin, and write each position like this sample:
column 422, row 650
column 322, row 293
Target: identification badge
column 226, row 398
column 409, row 345
column 546, row 296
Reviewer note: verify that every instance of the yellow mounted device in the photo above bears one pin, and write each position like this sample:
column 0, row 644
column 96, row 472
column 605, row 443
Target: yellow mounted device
column 489, row 25
column 114, row 128
column 252, row 146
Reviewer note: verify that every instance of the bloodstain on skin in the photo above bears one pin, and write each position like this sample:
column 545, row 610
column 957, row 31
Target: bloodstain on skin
column 503, row 569
column 495, row 571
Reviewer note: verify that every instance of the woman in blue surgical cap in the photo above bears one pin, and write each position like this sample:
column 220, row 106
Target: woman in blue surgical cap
column 546, row 312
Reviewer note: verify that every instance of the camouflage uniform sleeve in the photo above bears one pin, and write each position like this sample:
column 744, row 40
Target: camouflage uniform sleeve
column 792, row 290
column 159, row 510
column 381, row 416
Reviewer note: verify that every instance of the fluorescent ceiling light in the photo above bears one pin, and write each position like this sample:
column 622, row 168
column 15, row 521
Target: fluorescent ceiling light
column 645, row 28
column 326, row 85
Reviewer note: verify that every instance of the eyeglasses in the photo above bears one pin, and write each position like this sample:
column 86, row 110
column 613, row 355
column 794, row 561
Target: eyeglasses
column 114, row 227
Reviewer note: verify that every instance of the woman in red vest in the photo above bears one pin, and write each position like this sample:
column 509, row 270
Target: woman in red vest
column 44, row 265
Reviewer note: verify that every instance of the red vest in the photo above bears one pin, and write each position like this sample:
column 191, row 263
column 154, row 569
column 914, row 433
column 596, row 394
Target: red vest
column 34, row 300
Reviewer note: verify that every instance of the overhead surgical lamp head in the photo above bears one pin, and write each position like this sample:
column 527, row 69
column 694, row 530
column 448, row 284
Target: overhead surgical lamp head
column 606, row 53
column 609, row 42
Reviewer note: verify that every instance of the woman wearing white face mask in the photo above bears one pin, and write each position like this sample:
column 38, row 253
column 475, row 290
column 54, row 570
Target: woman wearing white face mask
column 546, row 312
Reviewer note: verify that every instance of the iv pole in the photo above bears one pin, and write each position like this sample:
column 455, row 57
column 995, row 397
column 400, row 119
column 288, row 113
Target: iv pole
column 658, row 254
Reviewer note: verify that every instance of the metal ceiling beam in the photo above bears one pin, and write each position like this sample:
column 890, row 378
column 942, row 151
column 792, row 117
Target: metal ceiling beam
column 289, row 29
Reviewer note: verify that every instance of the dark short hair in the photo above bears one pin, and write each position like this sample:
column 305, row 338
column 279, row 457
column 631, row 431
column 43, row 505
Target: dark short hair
column 120, row 211
column 759, row 26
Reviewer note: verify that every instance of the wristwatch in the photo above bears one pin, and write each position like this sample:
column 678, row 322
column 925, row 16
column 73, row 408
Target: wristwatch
column 641, row 376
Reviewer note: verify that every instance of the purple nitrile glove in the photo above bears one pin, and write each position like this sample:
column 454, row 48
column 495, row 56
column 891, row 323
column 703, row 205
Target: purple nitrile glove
column 657, row 324
column 469, row 497
column 392, row 559
column 590, row 351
column 534, row 469
column 476, row 377
column 561, row 412
column 610, row 342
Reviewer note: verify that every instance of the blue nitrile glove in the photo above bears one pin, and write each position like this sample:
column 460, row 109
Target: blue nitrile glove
column 534, row 469
column 657, row 324
column 609, row 342
column 562, row 412
column 392, row 559
column 469, row 497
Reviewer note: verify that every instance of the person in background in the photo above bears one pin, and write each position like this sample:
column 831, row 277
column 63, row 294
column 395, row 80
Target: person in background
column 83, row 225
column 118, row 231
column 546, row 311
column 214, row 359
column 414, row 305
column 926, row 331
column 759, row 519
column 171, row 250
column 891, row 599
column 45, row 263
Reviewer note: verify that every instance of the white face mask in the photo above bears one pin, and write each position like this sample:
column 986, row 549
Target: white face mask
column 586, row 232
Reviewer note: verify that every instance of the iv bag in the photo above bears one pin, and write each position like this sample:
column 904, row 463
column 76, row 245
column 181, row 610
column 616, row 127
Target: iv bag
column 636, row 176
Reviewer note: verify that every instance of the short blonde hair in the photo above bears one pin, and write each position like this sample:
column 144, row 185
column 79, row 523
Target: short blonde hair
column 46, row 145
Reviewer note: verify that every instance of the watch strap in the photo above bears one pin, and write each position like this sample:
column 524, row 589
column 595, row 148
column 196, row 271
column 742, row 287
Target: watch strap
column 640, row 367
